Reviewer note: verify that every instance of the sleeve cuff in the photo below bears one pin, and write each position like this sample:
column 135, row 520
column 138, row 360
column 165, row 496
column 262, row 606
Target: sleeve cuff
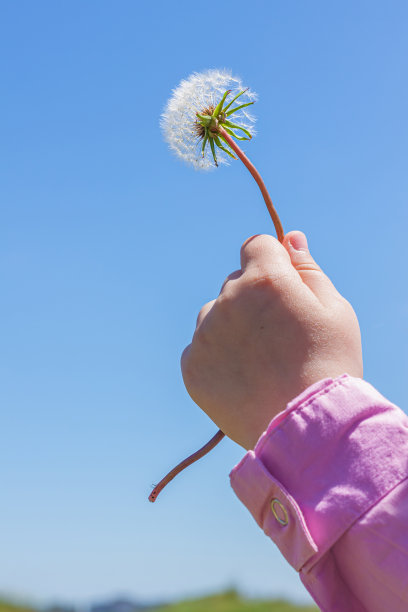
column 322, row 463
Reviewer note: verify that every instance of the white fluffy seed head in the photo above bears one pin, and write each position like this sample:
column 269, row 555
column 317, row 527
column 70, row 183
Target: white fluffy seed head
column 198, row 92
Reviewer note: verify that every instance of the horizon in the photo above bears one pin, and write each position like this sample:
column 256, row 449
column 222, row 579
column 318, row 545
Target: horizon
column 113, row 601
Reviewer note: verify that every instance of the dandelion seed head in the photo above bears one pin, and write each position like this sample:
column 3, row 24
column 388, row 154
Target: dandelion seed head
column 197, row 93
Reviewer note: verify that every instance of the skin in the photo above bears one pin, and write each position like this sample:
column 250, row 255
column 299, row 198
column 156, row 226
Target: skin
column 277, row 326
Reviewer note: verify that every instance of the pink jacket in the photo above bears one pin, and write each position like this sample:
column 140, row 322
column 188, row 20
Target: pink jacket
column 328, row 483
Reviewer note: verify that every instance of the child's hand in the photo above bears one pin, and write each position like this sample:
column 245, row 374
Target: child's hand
column 277, row 326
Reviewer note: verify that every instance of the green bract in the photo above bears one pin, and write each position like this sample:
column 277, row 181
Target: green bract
column 209, row 121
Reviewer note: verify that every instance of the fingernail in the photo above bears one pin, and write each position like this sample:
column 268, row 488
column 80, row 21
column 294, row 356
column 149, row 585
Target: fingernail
column 299, row 241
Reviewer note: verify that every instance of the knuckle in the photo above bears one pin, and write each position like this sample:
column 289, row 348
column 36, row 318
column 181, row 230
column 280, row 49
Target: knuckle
column 200, row 316
column 231, row 277
column 227, row 299
column 256, row 242
column 202, row 335
column 204, row 312
column 267, row 282
column 249, row 240
column 185, row 361
column 189, row 367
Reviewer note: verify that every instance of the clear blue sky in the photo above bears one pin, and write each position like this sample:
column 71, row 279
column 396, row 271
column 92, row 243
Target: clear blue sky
column 109, row 246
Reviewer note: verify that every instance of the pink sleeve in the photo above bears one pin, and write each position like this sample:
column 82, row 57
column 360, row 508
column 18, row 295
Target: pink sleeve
column 327, row 482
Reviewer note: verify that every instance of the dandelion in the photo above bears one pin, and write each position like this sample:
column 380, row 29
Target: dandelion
column 197, row 107
column 197, row 126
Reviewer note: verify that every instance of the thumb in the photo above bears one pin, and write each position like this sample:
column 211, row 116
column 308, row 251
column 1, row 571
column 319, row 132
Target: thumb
column 310, row 273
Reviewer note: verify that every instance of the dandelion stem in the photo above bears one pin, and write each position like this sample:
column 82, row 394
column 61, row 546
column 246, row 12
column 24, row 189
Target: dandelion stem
column 279, row 232
column 268, row 201
column 181, row 466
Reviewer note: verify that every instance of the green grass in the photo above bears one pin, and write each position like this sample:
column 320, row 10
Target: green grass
column 6, row 606
column 231, row 601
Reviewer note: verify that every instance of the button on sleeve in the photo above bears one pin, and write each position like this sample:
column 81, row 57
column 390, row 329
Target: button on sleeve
column 274, row 509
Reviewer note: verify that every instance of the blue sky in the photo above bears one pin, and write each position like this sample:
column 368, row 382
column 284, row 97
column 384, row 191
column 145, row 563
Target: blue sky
column 109, row 246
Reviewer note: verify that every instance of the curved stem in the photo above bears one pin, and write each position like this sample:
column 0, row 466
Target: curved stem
column 279, row 232
column 181, row 466
column 268, row 201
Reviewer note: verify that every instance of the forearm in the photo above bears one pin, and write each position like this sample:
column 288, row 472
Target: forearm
column 328, row 460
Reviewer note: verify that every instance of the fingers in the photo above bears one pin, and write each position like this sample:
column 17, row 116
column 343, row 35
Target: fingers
column 208, row 306
column 233, row 276
column 263, row 252
column 309, row 271
column 266, row 255
column 203, row 312
column 184, row 361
